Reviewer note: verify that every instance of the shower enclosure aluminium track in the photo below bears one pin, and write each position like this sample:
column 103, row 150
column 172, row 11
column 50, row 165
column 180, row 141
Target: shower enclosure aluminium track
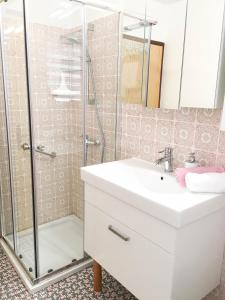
column 32, row 152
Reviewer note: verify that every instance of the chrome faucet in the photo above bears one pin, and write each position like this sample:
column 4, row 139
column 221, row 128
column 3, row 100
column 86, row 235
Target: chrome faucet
column 167, row 159
column 90, row 142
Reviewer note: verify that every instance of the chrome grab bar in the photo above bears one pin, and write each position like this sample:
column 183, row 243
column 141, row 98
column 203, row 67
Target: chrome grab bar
column 40, row 149
column 51, row 154
column 118, row 233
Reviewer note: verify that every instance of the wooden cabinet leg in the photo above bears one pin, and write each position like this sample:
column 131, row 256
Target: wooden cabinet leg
column 97, row 270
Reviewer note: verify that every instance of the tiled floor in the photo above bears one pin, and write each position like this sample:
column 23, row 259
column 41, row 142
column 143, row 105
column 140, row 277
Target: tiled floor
column 76, row 287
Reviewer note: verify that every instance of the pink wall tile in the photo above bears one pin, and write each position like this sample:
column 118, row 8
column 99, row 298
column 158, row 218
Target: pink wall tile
column 221, row 146
column 133, row 126
column 164, row 131
column 148, row 128
column 186, row 130
column 165, row 114
column 206, row 137
column 186, row 115
column 209, row 116
column 147, row 149
column 184, row 134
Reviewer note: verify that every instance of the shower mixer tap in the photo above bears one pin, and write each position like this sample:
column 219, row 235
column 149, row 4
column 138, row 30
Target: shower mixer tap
column 90, row 142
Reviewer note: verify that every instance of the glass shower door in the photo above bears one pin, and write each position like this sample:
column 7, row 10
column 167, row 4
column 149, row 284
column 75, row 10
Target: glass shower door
column 55, row 47
column 6, row 210
column 17, row 130
column 60, row 61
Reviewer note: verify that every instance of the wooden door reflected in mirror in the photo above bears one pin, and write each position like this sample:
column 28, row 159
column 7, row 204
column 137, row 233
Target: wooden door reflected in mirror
column 155, row 74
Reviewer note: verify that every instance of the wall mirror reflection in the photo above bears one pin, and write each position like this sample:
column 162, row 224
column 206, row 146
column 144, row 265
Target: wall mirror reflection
column 152, row 52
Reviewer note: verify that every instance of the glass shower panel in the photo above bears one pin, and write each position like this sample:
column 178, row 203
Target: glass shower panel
column 6, row 195
column 55, row 47
column 17, row 113
column 103, row 28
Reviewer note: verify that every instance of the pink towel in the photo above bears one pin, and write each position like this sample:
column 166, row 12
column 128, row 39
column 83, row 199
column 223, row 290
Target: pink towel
column 181, row 173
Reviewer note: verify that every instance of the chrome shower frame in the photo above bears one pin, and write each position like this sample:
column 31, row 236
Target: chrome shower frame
column 34, row 284
column 37, row 282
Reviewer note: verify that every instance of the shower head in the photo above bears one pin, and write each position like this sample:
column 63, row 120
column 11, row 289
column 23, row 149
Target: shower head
column 141, row 24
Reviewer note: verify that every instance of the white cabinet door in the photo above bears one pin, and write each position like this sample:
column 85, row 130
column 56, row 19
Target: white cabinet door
column 203, row 65
column 142, row 267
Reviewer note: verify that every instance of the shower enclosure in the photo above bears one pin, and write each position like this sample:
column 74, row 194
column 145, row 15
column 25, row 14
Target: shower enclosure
column 60, row 62
column 58, row 112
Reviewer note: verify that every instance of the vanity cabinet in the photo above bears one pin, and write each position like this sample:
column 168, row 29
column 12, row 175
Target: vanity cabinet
column 160, row 243
column 203, row 75
column 152, row 259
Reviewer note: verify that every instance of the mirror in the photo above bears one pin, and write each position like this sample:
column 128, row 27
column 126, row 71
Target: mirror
column 133, row 57
column 151, row 55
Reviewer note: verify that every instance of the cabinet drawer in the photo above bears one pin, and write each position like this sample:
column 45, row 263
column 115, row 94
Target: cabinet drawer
column 142, row 267
column 149, row 227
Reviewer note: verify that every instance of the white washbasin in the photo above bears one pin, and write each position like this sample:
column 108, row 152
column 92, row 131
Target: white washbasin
column 148, row 188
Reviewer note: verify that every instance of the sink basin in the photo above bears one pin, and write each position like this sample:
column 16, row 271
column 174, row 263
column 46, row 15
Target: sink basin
column 148, row 188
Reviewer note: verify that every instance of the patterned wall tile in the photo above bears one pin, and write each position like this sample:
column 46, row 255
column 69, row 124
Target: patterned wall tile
column 206, row 137
column 186, row 115
column 148, row 128
column 186, row 130
column 184, row 134
column 164, row 131
column 208, row 116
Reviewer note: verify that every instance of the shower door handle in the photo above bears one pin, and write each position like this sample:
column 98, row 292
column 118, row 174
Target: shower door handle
column 51, row 154
column 26, row 146
column 39, row 149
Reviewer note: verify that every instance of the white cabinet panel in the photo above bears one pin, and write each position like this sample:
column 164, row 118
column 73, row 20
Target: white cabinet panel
column 203, row 66
column 139, row 265
column 149, row 227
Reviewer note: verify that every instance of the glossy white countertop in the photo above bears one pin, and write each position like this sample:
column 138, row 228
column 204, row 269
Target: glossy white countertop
column 148, row 188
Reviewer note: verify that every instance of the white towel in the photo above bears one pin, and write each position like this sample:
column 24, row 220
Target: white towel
column 206, row 183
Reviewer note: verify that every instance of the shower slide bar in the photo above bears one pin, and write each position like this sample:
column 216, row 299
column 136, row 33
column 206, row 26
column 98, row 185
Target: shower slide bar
column 39, row 149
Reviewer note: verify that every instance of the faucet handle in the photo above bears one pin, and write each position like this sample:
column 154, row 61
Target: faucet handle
column 166, row 149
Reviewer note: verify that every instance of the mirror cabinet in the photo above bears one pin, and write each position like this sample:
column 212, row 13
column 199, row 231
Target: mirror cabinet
column 203, row 76
column 175, row 58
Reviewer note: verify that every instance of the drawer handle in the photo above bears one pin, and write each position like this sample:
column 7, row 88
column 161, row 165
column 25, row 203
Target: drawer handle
column 119, row 234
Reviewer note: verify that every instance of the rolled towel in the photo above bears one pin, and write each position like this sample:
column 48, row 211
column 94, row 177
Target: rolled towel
column 181, row 173
column 206, row 183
